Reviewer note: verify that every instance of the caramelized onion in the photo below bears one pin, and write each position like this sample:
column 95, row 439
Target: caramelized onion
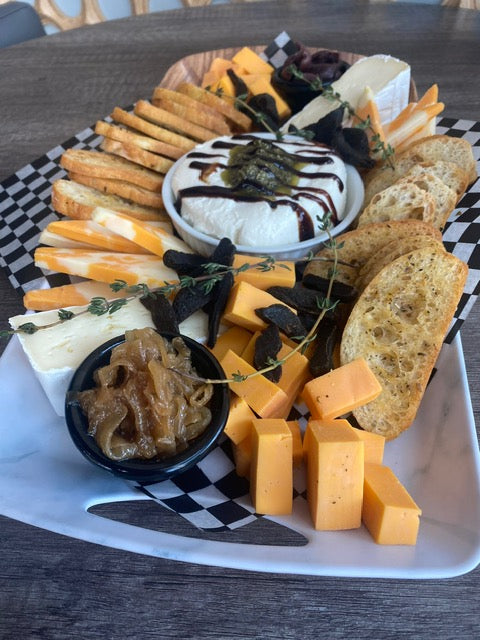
column 148, row 401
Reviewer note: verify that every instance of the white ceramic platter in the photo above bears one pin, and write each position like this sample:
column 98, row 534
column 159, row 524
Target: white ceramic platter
column 47, row 483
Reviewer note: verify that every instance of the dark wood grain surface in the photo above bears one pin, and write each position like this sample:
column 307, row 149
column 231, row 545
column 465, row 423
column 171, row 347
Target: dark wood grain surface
column 53, row 587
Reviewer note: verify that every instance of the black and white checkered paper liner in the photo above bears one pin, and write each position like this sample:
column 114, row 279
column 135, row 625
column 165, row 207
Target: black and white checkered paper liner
column 210, row 496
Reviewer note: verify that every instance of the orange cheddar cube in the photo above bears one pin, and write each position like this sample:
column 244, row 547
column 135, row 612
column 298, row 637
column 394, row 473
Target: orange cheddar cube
column 335, row 474
column 261, row 394
column 374, row 445
column 271, row 473
column 297, row 445
column 389, row 512
column 243, row 300
column 251, row 61
column 341, row 390
column 239, row 422
column 282, row 275
column 234, row 338
column 242, row 454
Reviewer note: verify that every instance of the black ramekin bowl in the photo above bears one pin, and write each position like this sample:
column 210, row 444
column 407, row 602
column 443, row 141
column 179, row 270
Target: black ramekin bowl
column 154, row 470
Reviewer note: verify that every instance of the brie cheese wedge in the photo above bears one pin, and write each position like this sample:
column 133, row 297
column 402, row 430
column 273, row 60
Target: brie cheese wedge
column 55, row 352
column 388, row 78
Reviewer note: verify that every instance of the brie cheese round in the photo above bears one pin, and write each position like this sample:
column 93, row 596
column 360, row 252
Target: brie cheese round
column 292, row 210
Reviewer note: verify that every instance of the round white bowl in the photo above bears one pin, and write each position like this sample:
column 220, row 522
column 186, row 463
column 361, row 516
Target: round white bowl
column 204, row 244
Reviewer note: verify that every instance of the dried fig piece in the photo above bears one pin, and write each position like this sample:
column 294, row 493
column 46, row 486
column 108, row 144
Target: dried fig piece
column 340, row 291
column 321, row 360
column 185, row 264
column 161, row 310
column 284, row 318
column 216, row 306
column 267, row 346
column 189, row 300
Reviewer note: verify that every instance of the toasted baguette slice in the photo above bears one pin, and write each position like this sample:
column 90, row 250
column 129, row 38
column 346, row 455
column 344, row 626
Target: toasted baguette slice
column 443, row 147
column 197, row 116
column 77, row 201
column 385, row 175
column 129, row 151
column 359, row 245
column 444, row 197
column 239, row 119
column 121, row 188
column 105, row 165
column 152, row 130
column 398, row 325
column 160, row 93
column 448, row 172
column 401, row 201
column 121, row 134
column 173, row 122
column 390, row 252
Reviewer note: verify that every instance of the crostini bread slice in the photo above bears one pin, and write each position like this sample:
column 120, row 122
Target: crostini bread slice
column 444, row 197
column 448, row 172
column 175, row 123
column 443, row 147
column 131, row 152
column 390, row 252
column 357, row 246
column 402, row 200
column 121, row 134
column 106, row 165
column 239, row 119
column 121, row 188
column 398, row 325
column 77, row 201
column 148, row 128
column 384, row 176
column 197, row 116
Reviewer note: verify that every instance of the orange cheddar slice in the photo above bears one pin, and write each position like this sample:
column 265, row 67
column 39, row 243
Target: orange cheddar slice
column 261, row 395
column 282, row 274
column 335, row 474
column 105, row 266
column 367, row 109
column 297, row 445
column 239, row 422
column 243, row 300
column 234, row 338
column 389, row 512
column 341, row 390
column 374, row 444
column 140, row 233
column 89, row 232
column 68, row 295
column 271, row 474
column 251, row 61
column 242, row 455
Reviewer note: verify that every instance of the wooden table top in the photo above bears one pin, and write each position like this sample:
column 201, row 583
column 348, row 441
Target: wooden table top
column 59, row 587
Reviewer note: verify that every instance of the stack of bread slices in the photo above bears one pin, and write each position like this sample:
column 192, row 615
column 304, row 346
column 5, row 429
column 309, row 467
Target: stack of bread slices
column 110, row 203
column 408, row 285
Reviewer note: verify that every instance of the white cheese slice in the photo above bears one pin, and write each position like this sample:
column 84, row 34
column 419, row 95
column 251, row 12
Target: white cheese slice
column 56, row 352
column 388, row 77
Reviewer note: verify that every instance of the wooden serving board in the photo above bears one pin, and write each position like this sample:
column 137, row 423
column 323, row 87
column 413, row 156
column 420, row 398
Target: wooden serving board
column 191, row 68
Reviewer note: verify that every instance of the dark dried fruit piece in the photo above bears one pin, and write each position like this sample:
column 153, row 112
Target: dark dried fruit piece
column 189, row 300
column 161, row 310
column 267, row 346
column 216, row 306
column 298, row 297
column 340, row 291
column 321, row 361
column 223, row 253
column 185, row 264
column 284, row 318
